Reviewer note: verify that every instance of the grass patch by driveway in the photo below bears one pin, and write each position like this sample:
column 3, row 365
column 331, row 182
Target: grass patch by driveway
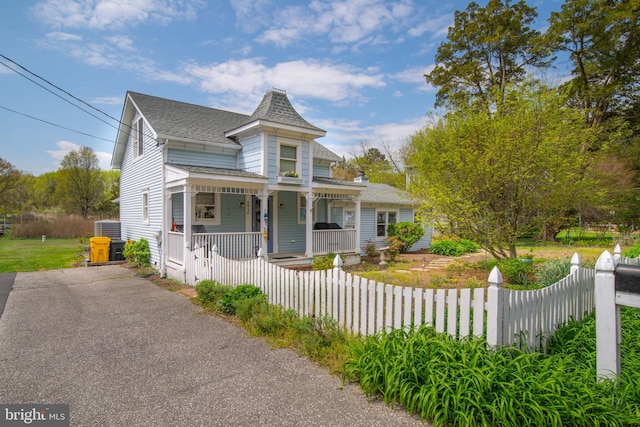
column 19, row 255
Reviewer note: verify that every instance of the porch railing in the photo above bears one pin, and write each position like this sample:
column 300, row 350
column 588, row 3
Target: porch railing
column 326, row 241
column 175, row 247
column 230, row 245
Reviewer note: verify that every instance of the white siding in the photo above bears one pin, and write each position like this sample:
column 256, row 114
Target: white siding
column 137, row 176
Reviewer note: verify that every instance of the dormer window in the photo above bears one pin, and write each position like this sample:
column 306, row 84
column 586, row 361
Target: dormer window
column 289, row 160
column 137, row 136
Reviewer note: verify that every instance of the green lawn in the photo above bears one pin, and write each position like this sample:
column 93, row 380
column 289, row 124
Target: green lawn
column 18, row 255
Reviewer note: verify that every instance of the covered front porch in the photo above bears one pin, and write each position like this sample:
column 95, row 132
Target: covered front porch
column 242, row 215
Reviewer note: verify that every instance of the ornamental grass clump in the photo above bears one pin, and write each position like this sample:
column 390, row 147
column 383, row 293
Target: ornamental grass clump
column 463, row 382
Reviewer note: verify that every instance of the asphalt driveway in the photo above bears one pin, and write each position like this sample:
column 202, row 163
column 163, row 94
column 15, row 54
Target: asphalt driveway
column 124, row 352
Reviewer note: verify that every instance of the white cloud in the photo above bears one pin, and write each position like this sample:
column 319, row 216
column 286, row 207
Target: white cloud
column 438, row 26
column 343, row 22
column 344, row 136
column 121, row 42
column 65, row 147
column 62, row 36
column 305, row 78
column 110, row 14
column 108, row 100
column 415, row 75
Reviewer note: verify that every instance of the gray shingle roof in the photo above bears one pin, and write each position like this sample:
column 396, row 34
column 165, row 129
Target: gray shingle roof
column 383, row 193
column 275, row 107
column 372, row 192
column 181, row 120
column 217, row 171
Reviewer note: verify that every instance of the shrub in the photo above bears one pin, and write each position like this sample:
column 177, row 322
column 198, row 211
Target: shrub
column 370, row 249
column 395, row 245
column 515, row 271
column 325, row 262
column 552, row 271
column 231, row 298
column 137, row 253
column 210, row 292
column 453, row 247
column 407, row 232
column 633, row 251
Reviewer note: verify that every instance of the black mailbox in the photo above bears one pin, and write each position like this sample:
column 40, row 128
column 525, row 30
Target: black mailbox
column 628, row 278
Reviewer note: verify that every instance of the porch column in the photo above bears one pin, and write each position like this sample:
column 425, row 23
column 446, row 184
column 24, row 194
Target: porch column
column 357, row 224
column 308, row 252
column 188, row 216
column 264, row 223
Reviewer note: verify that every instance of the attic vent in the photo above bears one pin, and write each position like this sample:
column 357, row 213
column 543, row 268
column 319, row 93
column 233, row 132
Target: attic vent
column 280, row 91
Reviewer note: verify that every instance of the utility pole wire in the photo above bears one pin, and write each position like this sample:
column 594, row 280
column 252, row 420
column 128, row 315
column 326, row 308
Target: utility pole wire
column 53, row 124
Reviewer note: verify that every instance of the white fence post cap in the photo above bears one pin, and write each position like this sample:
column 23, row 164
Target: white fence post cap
column 495, row 277
column 605, row 262
column 337, row 262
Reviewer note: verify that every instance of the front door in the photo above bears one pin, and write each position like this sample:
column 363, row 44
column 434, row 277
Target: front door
column 257, row 223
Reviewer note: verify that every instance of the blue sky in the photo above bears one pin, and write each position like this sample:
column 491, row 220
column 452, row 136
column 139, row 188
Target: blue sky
column 352, row 67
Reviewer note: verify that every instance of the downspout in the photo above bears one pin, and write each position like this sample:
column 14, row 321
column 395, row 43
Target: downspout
column 165, row 212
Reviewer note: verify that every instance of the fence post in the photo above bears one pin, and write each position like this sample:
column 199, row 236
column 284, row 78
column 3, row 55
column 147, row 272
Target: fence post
column 337, row 262
column 575, row 263
column 607, row 318
column 617, row 253
column 494, row 308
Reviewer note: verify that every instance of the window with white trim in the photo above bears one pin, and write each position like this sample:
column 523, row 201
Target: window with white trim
column 207, row 208
column 383, row 219
column 138, row 138
column 145, row 207
column 288, row 165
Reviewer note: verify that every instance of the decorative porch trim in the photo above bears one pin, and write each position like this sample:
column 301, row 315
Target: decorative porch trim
column 226, row 190
column 333, row 196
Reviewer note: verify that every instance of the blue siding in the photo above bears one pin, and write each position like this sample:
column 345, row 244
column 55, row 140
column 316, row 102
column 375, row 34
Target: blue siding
column 199, row 158
column 272, row 156
column 321, row 211
column 337, row 216
column 288, row 227
column 305, row 167
column 177, row 208
column 367, row 227
column 250, row 158
column 232, row 216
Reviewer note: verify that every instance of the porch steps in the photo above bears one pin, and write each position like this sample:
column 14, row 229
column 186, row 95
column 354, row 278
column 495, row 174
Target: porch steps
column 290, row 260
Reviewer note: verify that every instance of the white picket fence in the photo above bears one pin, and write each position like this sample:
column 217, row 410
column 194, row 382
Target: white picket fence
column 366, row 307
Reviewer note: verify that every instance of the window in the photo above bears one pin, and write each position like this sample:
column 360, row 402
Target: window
column 207, row 210
column 383, row 221
column 288, row 160
column 145, row 207
column 138, row 140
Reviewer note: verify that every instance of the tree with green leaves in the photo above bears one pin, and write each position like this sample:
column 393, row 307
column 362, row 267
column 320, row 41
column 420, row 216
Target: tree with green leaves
column 9, row 179
column 493, row 176
column 487, row 50
column 602, row 38
column 80, row 186
column 373, row 163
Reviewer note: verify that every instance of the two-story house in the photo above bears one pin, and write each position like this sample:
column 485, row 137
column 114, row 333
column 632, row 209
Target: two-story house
column 194, row 175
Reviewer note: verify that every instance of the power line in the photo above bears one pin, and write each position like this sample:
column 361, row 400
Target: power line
column 59, row 96
column 68, row 94
column 53, row 124
column 57, row 87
